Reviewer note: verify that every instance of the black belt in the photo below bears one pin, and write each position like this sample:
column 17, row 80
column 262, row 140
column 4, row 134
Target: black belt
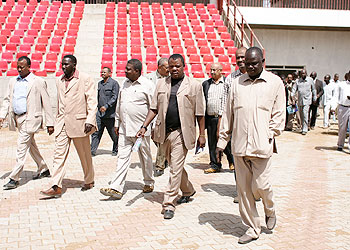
column 21, row 114
column 345, row 106
column 168, row 130
column 213, row 116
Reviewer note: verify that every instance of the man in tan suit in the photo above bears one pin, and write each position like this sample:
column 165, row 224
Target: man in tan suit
column 253, row 123
column 178, row 101
column 24, row 103
column 76, row 120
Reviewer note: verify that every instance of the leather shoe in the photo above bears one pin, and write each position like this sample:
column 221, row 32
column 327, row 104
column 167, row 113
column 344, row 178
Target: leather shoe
column 12, row 184
column 111, row 192
column 168, row 214
column 87, row 186
column 231, row 166
column 271, row 221
column 339, row 149
column 44, row 174
column 235, row 200
column 211, row 170
column 158, row 172
column 185, row 199
column 114, row 153
column 245, row 238
column 147, row 189
column 54, row 192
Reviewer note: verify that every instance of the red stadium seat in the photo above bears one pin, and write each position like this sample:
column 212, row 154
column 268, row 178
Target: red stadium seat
column 68, row 49
column 205, row 50
column 71, row 41
column 229, row 43
column 189, row 42
column 223, row 59
column 222, row 29
column 225, row 36
column 164, row 50
column 136, row 56
column 108, row 33
column 208, row 59
column 202, row 42
column 35, row 66
column 233, row 60
column 3, row 39
column 41, row 73
column 175, row 42
column 191, row 50
column 56, row 40
column 25, row 48
column 107, row 57
column 200, row 35
column 3, row 65
column 178, row 50
column 135, row 49
column 211, row 36
column 186, row 35
column 219, row 51
column 162, row 42
column 19, row 54
column 108, row 41
column 11, row 47
column 195, row 59
column 19, row 33
column 152, row 67
column 52, row 57
column 231, row 51
column 50, row 66
column 43, row 40
column 120, row 49
column 55, row 49
column 6, row 33
column 15, row 40
column 36, row 56
column 172, row 28
column 152, row 50
column 215, row 43
column 12, row 72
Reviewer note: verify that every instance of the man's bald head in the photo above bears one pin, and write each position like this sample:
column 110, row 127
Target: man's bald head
column 254, row 62
column 313, row 75
column 240, row 58
column 303, row 74
column 215, row 71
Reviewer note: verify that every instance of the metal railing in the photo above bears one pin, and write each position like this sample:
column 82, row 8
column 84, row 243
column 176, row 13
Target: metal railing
column 309, row 4
column 240, row 30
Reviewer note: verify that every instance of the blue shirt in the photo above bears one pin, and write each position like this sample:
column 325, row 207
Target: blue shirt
column 19, row 100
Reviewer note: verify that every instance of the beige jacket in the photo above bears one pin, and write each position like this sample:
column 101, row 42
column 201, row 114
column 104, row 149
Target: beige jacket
column 191, row 103
column 76, row 105
column 255, row 113
column 38, row 103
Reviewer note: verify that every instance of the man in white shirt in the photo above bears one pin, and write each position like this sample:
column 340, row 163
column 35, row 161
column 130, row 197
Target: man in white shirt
column 342, row 98
column 327, row 99
column 134, row 101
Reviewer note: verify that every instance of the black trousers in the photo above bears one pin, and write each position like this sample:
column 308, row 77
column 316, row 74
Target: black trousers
column 103, row 123
column 313, row 114
column 212, row 124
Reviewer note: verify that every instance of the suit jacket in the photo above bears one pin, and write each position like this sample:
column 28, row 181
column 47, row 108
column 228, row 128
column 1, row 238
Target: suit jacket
column 319, row 91
column 191, row 103
column 38, row 100
column 305, row 89
column 76, row 105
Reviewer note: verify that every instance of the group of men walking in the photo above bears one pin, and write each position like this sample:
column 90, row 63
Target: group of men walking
column 167, row 110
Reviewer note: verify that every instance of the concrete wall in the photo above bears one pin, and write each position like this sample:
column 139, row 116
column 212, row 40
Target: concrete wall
column 326, row 52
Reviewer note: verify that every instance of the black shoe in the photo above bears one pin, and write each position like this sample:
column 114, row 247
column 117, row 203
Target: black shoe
column 339, row 149
column 44, row 174
column 185, row 199
column 158, row 172
column 166, row 164
column 168, row 214
column 93, row 154
column 114, row 153
column 12, row 184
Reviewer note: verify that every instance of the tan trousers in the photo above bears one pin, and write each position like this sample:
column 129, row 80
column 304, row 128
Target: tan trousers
column 62, row 145
column 176, row 152
column 252, row 176
column 125, row 145
column 26, row 142
column 160, row 158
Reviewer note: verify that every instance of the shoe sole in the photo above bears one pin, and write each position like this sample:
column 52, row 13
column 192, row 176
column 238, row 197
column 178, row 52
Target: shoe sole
column 246, row 242
column 9, row 188
column 118, row 197
column 52, row 196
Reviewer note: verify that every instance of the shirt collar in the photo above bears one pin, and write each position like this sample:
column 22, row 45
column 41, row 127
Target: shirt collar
column 263, row 76
column 221, row 80
column 27, row 78
column 141, row 80
column 75, row 75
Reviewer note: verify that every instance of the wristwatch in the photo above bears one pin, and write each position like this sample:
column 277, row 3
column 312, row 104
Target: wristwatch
column 144, row 127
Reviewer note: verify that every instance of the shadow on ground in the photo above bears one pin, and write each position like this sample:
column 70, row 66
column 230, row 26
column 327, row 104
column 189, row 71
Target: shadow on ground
column 220, row 189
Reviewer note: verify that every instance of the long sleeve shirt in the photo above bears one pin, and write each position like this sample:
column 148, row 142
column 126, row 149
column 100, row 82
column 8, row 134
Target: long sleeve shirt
column 341, row 93
column 306, row 91
column 133, row 104
column 328, row 94
column 19, row 102
column 255, row 113
column 107, row 97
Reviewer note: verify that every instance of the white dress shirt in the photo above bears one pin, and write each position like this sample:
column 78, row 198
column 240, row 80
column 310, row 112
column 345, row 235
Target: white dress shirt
column 328, row 94
column 133, row 104
column 341, row 93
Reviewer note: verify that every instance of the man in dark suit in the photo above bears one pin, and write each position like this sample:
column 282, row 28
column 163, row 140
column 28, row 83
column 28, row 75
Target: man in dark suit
column 314, row 105
column 108, row 90
column 215, row 92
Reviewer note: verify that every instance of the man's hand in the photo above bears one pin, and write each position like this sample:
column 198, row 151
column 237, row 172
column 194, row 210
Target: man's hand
column 141, row 132
column 103, row 109
column 116, row 130
column 201, row 141
column 219, row 153
column 88, row 128
column 50, row 130
column 348, row 97
column 1, row 121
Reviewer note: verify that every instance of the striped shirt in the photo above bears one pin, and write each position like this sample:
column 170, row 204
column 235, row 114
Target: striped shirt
column 217, row 96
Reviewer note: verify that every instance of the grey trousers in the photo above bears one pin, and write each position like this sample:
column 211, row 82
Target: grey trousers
column 343, row 121
column 304, row 116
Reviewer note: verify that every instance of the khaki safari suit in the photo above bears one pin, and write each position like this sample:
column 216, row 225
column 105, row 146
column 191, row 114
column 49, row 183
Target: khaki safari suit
column 38, row 103
column 176, row 143
column 253, row 123
column 77, row 105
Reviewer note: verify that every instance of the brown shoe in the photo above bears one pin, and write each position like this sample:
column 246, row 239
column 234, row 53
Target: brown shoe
column 87, row 186
column 54, row 192
column 147, row 189
column 235, row 200
column 211, row 170
column 231, row 166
